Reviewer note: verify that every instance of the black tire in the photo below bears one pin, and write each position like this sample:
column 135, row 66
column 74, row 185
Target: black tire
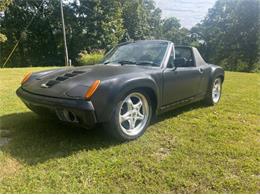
column 116, row 129
column 211, row 99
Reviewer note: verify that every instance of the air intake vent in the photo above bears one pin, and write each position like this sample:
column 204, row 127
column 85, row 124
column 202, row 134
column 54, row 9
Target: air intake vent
column 51, row 83
column 73, row 73
column 69, row 75
column 77, row 72
column 62, row 78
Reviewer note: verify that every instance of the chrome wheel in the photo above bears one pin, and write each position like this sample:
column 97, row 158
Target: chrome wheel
column 133, row 114
column 216, row 90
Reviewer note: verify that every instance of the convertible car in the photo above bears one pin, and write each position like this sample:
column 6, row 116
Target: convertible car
column 134, row 82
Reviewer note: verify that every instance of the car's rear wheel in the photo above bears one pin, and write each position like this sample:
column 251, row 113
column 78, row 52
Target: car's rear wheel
column 131, row 117
column 214, row 92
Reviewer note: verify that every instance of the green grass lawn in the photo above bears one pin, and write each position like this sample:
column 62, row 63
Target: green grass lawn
column 195, row 149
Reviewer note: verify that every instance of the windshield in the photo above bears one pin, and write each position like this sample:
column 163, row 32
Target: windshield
column 138, row 53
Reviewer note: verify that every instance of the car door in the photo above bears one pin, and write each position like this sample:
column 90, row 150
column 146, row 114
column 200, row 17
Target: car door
column 182, row 82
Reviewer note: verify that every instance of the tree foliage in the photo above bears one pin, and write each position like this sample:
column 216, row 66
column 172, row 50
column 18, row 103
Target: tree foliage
column 90, row 25
column 230, row 34
column 3, row 6
column 141, row 18
column 171, row 30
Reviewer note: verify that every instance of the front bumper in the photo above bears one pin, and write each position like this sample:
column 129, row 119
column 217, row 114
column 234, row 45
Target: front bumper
column 69, row 110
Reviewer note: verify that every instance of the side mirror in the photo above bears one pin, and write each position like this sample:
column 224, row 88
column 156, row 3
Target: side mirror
column 180, row 62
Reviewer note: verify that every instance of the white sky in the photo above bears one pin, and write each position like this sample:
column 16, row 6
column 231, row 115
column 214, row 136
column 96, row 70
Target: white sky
column 189, row 12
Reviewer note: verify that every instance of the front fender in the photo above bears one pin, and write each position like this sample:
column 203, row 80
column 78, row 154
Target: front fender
column 112, row 91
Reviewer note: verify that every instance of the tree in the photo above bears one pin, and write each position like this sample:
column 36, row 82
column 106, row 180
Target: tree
column 89, row 25
column 171, row 30
column 101, row 23
column 3, row 6
column 141, row 19
column 40, row 42
column 230, row 34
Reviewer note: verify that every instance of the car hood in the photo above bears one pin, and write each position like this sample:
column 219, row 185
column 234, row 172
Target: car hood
column 73, row 82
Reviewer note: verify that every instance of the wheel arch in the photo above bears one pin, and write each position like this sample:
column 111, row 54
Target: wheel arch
column 216, row 72
column 153, row 97
column 109, row 98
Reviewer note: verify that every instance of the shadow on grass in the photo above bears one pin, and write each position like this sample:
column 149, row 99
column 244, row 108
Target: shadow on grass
column 35, row 140
column 179, row 111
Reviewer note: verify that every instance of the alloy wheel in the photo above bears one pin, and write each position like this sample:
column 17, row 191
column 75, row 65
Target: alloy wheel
column 133, row 114
column 216, row 90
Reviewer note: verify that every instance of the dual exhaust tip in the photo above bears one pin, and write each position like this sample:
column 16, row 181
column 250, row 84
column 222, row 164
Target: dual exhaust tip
column 67, row 116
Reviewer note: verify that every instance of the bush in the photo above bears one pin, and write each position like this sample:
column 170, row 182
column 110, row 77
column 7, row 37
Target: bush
column 236, row 64
column 257, row 67
column 86, row 58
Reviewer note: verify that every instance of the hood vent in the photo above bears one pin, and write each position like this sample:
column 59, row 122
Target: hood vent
column 77, row 72
column 59, row 79
column 62, row 78
column 50, row 83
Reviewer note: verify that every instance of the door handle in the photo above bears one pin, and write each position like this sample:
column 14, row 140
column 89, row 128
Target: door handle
column 201, row 70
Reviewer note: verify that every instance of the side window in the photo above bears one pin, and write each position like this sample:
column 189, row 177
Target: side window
column 186, row 54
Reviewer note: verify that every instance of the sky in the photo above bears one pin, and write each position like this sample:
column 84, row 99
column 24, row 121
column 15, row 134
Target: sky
column 189, row 12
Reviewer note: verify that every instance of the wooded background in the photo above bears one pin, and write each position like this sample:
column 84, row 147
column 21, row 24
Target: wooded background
column 228, row 35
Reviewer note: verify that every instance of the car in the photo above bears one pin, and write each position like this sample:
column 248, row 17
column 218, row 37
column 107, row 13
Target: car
column 134, row 82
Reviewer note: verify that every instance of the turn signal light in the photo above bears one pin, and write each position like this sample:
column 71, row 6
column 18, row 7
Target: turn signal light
column 26, row 77
column 92, row 89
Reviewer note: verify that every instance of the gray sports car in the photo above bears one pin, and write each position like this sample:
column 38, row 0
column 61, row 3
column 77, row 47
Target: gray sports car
column 135, row 81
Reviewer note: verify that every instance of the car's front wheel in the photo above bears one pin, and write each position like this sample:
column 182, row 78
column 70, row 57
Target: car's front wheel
column 131, row 117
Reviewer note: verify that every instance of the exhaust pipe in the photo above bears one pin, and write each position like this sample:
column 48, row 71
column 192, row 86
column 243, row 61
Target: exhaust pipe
column 67, row 116
column 70, row 116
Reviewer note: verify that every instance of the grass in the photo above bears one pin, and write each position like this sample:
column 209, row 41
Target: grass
column 195, row 149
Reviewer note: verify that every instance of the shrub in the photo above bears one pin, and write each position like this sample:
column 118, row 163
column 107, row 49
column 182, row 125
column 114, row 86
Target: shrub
column 86, row 58
column 236, row 64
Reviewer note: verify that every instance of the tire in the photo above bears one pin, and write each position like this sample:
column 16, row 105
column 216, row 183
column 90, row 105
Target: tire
column 214, row 92
column 131, row 116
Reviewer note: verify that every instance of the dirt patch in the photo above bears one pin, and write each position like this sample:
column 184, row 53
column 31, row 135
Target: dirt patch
column 8, row 167
column 162, row 153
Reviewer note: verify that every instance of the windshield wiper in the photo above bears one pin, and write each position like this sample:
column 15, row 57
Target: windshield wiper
column 147, row 63
column 123, row 62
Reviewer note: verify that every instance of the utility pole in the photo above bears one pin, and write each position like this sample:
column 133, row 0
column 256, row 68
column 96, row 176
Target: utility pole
column 64, row 35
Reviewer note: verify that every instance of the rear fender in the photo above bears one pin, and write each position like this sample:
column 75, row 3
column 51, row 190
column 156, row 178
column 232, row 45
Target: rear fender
column 216, row 71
